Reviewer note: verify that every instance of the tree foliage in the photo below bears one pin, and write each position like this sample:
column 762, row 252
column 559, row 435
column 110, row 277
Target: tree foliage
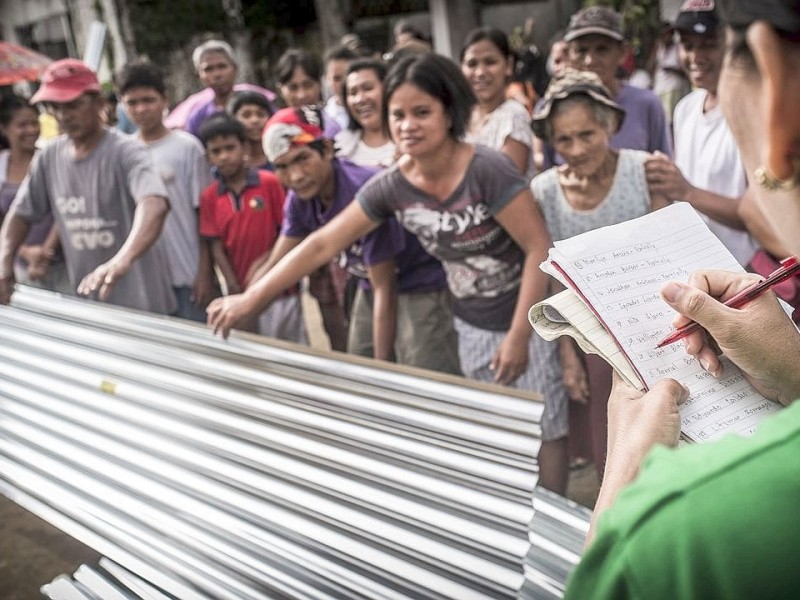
column 161, row 26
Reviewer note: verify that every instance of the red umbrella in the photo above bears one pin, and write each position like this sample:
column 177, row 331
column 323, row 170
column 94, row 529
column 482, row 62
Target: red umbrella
column 19, row 64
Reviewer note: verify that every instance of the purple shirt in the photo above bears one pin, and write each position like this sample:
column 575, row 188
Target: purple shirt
column 645, row 124
column 417, row 270
column 203, row 110
column 200, row 114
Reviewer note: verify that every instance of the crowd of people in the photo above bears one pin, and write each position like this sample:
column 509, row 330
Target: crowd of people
column 420, row 196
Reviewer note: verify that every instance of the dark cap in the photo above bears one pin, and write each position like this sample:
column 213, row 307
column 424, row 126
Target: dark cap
column 570, row 83
column 599, row 20
column 697, row 16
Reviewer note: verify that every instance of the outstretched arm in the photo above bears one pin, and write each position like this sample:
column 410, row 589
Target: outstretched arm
column 283, row 245
column 148, row 220
column 316, row 250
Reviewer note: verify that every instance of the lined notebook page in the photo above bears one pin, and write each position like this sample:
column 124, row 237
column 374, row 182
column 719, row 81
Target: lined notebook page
column 566, row 314
column 620, row 269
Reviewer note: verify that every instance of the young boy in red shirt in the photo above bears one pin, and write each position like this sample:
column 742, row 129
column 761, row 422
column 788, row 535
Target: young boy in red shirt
column 241, row 214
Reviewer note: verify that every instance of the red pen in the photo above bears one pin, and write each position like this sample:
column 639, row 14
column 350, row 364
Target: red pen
column 788, row 269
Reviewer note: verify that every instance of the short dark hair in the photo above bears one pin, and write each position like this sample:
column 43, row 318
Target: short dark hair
column 141, row 74
column 496, row 36
column 220, row 125
column 320, row 145
column 339, row 52
column 246, row 98
column 293, row 58
column 439, row 77
column 362, row 64
column 9, row 107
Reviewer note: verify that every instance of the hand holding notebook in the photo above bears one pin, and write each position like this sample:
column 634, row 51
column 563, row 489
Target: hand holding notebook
column 612, row 307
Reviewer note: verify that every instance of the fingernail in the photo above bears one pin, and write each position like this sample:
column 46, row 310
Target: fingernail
column 671, row 291
column 706, row 365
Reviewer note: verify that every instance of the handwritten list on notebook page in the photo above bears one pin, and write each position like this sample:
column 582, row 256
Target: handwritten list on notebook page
column 619, row 271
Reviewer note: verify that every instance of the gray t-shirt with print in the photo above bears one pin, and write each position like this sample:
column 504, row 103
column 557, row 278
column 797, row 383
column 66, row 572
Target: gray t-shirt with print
column 180, row 160
column 482, row 262
column 93, row 200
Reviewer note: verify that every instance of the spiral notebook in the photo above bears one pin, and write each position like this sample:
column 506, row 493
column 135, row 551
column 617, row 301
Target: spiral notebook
column 612, row 307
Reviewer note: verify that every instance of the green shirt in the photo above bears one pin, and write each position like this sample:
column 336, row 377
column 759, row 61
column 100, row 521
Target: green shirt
column 720, row 520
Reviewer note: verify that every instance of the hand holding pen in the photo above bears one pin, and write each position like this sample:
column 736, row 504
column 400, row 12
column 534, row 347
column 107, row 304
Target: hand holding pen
column 756, row 337
column 790, row 267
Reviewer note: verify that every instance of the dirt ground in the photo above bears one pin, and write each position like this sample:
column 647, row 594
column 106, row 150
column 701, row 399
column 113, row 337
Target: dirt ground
column 33, row 552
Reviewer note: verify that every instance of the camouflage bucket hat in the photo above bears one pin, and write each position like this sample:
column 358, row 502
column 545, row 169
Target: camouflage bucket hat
column 570, row 83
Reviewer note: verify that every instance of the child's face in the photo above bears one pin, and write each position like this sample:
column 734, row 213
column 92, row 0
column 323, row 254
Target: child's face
column 253, row 117
column 145, row 107
column 227, row 154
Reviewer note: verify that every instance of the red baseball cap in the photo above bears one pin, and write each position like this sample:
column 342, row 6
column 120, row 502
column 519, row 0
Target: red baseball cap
column 64, row 80
column 291, row 127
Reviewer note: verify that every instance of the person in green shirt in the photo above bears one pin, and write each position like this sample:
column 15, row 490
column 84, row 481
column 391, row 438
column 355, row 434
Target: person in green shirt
column 720, row 520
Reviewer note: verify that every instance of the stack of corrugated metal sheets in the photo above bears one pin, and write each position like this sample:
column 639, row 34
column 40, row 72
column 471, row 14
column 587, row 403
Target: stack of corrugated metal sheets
column 246, row 469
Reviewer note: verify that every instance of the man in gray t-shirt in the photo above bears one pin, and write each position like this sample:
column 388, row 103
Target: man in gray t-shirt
column 107, row 200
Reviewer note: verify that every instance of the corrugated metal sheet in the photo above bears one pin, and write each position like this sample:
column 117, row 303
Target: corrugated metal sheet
column 557, row 535
column 109, row 581
column 245, row 469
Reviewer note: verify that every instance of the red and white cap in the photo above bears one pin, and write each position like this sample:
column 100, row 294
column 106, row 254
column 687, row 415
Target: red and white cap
column 291, row 127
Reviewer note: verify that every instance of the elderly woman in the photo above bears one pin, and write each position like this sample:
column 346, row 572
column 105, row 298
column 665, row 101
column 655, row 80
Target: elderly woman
column 596, row 186
column 721, row 520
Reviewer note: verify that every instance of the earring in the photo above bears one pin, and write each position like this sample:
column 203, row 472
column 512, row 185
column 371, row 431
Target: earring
column 769, row 182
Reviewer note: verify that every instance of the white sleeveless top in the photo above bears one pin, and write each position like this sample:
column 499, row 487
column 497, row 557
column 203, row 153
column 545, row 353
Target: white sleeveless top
column 628, row 198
